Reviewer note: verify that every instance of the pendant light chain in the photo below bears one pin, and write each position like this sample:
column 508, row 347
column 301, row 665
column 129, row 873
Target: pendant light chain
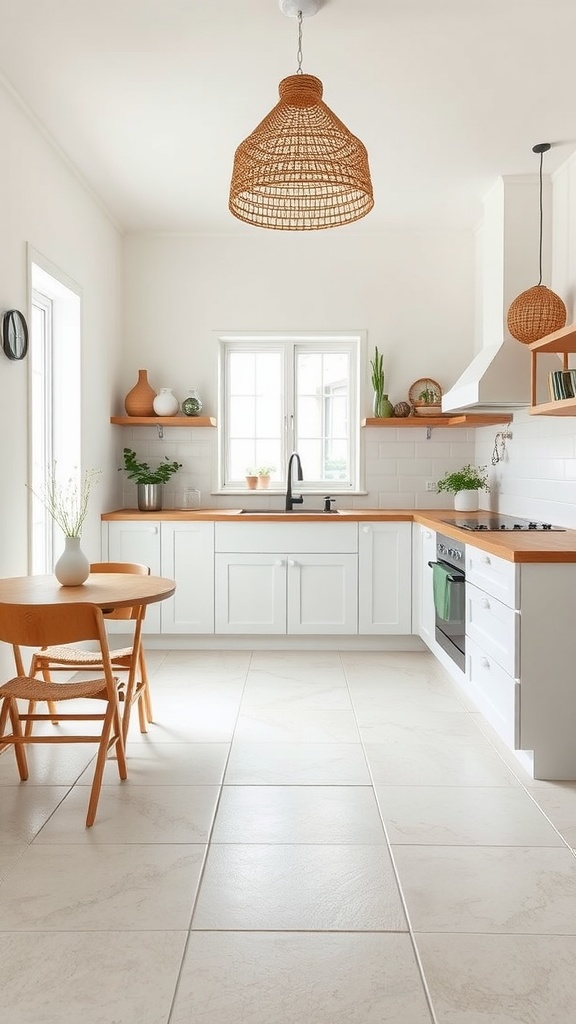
column 299, row 51
column 541, row 219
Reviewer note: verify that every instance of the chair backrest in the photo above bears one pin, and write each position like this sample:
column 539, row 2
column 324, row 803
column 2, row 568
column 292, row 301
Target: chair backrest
column 44, row 625
column 129, row 567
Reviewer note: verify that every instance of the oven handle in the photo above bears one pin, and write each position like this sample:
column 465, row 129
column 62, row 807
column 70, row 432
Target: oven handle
column 453, row 579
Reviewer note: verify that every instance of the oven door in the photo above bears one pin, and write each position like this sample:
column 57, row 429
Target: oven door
column 448, row 583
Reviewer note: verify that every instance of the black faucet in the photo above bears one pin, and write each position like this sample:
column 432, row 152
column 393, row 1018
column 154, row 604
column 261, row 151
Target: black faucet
column 292, row 500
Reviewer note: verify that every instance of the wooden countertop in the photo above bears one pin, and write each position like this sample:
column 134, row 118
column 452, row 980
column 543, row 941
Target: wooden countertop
column 536, row 546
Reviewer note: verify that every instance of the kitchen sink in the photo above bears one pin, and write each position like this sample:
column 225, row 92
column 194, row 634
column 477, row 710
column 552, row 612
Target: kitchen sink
column 284, row 512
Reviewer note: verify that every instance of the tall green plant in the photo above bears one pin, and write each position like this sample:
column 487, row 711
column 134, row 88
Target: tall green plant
column 377, row 364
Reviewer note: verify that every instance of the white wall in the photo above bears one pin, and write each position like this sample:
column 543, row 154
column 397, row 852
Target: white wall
column 43, row 204
column 412, row 292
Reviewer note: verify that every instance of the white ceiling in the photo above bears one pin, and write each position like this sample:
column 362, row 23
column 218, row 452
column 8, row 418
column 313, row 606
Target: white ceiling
column 148, row 99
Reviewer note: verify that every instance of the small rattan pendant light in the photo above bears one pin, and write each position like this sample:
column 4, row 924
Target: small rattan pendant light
column 537, row 311
column 301, row 169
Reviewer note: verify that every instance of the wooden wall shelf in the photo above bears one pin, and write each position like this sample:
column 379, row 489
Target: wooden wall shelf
column 163, row 421
column 562, row 342
column 459, row 419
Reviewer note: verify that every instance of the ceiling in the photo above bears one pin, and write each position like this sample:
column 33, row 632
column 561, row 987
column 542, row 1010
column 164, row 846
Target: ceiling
column 148, row 99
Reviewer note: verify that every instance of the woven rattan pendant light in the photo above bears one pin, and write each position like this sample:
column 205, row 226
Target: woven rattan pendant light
column 300, row 169
column 537, row 311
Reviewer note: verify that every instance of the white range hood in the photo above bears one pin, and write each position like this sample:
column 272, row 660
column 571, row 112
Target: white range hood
column 506, row 260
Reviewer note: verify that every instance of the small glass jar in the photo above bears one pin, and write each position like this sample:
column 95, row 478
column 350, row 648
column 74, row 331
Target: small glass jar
column 192, row 498
column 192, row 403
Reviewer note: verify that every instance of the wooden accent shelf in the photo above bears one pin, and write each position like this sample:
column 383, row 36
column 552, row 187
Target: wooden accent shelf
column 453, row 419
column 163, row 421
column 561, row 342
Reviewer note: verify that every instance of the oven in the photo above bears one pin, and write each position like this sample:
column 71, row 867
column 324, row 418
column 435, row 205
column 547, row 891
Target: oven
column 448, row 581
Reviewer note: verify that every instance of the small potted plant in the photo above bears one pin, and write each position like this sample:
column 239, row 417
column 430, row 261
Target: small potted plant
column 464, row 484
column 251, row 478
column 381, row 406
column 149, row 481
column 264, row 475
column 429, row 401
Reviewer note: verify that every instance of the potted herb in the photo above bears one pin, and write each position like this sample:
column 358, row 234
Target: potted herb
column 264, row 475
column 381, row 407
column 464, row 484
column 251, row 478
column 149, row 481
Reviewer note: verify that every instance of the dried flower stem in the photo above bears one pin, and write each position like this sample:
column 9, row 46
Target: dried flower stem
column 67, row 501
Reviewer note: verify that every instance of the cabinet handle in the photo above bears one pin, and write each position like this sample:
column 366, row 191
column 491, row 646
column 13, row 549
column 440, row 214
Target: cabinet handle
column 292, row 562
column 427, row 534
column 366, row 529
column 484, row 662
column 485, row 603
column 278, row 562
column 153, row 529
column 485, row 559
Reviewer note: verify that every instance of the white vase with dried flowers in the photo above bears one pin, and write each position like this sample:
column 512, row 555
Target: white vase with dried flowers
column 67, row 503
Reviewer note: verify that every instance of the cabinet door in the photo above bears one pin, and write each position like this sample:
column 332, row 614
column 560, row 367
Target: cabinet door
column 135, row 541
column 250, row 593
column 423, row 552
column 385, row 578
column 322, row 593
column 188, row 558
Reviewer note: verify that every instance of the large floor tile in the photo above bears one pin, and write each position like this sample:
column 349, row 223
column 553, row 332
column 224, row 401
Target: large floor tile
column 396, row 667
column 298, row 814
column 301, row 764
column 488, row 889
column 8, row 857
column 93, row 977
column 380, row 705
column 558, row 801
column 25, row 809
column 135, row 814
column 500, row 979
column 463, row 816
column 298, row 725
column 131, row 887
column 405, row 757
column 168, row 764
column 49, row 764
column 291, row 978
column 184, row 719
column 331, row 888
column 265, row 691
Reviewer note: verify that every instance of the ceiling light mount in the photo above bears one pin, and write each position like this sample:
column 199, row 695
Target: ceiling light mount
column 307, row 8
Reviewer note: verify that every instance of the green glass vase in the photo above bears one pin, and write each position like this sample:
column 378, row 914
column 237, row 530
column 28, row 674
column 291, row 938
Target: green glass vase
column 381, row 406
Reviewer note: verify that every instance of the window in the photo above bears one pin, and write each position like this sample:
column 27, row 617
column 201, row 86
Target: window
column 284, row 393
column 54, row 361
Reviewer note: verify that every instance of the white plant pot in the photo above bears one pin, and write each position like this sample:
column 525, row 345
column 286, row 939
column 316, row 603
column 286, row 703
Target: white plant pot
column 466, row 501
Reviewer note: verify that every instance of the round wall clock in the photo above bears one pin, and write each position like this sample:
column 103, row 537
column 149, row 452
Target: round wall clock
column 14, row 334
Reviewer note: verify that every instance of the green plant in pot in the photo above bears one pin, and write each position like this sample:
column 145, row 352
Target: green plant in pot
column 381, row 406
column 464, row 484
column 149, row 481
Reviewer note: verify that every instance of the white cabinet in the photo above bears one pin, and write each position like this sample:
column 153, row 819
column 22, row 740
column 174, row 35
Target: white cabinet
column 520, row 656
column 385, row 578
column 297, row 578
column 423, row 612
column 182, row 551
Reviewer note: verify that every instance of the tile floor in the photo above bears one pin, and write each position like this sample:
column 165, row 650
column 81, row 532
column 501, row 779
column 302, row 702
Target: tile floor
column 318, row 837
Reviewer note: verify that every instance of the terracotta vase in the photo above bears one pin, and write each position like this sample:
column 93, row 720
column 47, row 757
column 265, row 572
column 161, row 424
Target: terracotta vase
column 139, row 401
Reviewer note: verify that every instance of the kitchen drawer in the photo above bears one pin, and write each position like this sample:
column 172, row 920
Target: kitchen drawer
column 309, row 538
column 499, row 578
column 495, row 693
column 494, row 627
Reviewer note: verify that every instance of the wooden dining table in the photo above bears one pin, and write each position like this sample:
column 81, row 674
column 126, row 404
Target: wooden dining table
column 107, row 590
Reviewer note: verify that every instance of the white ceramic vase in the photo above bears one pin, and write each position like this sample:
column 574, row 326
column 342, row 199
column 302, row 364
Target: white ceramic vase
column 165, row 403
column 72, row 568
column 466, row 501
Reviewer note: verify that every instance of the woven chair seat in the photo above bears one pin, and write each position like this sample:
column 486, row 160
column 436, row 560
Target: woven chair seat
column 80, row 656
column 28, row 688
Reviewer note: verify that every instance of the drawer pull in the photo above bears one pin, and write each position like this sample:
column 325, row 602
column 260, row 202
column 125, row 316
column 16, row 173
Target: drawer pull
column 366, row 529
column 278, row 562
column 485, row 559
column 292, row 562
column 484, row 663
column 484, row 602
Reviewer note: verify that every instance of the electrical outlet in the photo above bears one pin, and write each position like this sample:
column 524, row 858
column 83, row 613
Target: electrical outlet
column 431, row 485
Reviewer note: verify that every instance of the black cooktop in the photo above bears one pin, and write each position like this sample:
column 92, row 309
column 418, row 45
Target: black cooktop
column 494, row 522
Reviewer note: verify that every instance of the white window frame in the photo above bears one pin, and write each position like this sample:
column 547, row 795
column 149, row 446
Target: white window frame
column 354, row 342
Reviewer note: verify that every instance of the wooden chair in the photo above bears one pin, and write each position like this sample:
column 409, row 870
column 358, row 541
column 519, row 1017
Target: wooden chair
column 129, row 659
column 37, row 625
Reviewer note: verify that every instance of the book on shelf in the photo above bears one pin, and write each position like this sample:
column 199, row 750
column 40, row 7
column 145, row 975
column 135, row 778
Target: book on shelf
column 562, row 384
